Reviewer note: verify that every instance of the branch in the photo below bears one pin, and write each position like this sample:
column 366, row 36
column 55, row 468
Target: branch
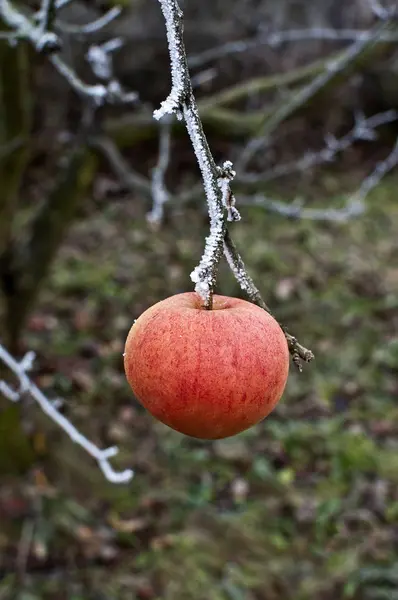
column 35, row 31
column 332, row 69
column 354, row 207
column 381, row 12
column 160, row 195
column 129, row 178
column 16, row 120
column 47, row 15
column 98, row 93
column 61, row 3
column 237, row 266
column 42, row 39
column 216, row 180
column 276, row 39
column 26, row 386
column 92, row 27
column 100, row 58
column 364, row 129
column 181, row 101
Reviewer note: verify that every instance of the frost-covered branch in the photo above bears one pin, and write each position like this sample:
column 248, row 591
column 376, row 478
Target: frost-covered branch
column 160, row 195
column 100, row 59
column 277, row 38
column 47, row 15
column 382, row 168
column 61, row 3
column 36, row 29
column 354, row 207
column 181, row 102
column 216, row 180
column 26, row 386
column 92, row 27
column 364, row 129
column 332, row 69
column 37, row 33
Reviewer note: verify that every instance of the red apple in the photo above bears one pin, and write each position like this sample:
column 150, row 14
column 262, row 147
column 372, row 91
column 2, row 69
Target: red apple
column 207, row 373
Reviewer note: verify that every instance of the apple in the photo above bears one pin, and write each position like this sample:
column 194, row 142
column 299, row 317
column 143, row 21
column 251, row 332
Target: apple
column 208, row 374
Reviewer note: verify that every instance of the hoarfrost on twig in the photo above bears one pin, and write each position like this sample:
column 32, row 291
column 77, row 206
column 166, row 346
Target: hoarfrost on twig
column 26, row 386
column 354, row 206
column 182, row 101
column 216, row 181
column 38, row 30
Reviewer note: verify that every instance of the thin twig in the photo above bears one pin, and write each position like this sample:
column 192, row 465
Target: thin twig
column 93, row 26
column 128, row 177
column 354, row 207
column 26, row 386
column 160, row 195
column 61, row 3
column 99, row 93
column 42, row 40
column 381, row 11
column 277, row 38
column 47, row 15
column 101, row 60
column 297, row 351
column 364, row 129
column 47, row 41
column 332, row 69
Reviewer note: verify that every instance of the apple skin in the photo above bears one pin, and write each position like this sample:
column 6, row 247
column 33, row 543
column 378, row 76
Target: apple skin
column 208, row 374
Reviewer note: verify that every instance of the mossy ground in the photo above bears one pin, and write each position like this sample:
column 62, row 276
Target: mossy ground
column 301, row 507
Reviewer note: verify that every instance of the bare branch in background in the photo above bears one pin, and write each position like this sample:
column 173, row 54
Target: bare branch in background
column 354, row 207
column 382, row 12
column 277, row 38
column 135, row 182
column 216, row 180
column 203, row 77
column 35, row 30
column 160, row 195
column 92, row 27
column 26, row 386
column 47, row 15
column 381, row 169
column 130, row 179
column 61, row 3
column 364, row 129
column 42, row 39
column 332, row 69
